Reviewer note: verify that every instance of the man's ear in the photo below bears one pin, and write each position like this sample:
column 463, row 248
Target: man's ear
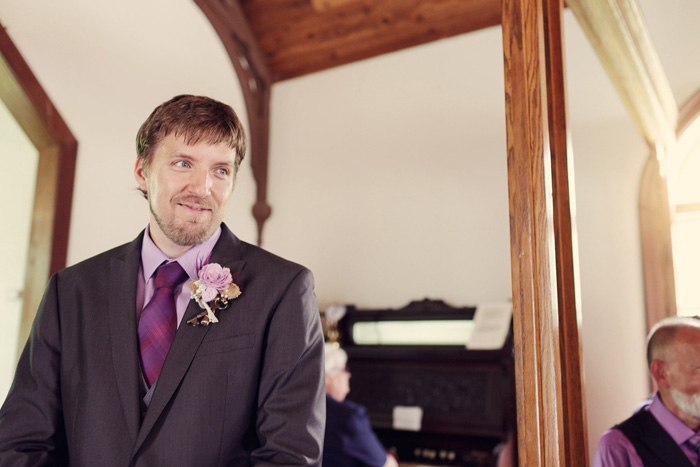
column 140, row 174
column 659, row 370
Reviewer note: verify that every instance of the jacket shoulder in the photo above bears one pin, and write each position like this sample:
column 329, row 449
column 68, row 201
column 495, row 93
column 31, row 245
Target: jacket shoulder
column 98, row 264
column 266, row 260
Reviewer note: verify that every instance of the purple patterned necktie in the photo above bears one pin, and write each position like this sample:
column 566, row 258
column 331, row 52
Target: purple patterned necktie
column 696, row 447
column 158, row 320
column 694, row 444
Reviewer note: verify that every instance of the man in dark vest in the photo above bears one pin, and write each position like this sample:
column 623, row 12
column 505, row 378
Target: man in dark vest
column 663, row 432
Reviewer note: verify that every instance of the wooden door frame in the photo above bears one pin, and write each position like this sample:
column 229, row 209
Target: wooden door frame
column 549, row 384
column 57, row 147
column 550, row 389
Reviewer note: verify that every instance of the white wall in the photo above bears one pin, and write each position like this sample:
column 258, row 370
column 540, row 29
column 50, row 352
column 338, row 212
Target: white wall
column 379, row 171
column 387, row 177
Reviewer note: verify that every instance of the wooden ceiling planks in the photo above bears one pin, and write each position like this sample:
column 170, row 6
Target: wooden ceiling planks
column 298, row 39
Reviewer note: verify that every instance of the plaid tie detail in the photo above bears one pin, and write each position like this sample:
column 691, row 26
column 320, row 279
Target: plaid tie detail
column 694, row 443
column 158, row 320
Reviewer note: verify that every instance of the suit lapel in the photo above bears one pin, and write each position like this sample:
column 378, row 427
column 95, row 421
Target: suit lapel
column 187, row 340
column 122, row 330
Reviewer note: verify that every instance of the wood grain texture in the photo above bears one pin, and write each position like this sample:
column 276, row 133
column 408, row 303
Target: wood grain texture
column 525, row 142
column 551, row 419
column 298, row 39
column 38, row 117
column 230, row 23
column 618, row 33
column 567, row 267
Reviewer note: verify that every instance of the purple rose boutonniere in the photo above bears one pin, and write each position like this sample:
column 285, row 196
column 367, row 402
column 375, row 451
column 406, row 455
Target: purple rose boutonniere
column 212, row 290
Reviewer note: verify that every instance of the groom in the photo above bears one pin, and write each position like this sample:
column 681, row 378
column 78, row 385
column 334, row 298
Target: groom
column 124, row 368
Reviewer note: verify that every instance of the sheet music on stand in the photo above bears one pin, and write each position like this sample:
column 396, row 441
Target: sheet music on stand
column 491, row 326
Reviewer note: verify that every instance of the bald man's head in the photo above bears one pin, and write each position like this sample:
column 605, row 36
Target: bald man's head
column 664, row 333
column 673, row 352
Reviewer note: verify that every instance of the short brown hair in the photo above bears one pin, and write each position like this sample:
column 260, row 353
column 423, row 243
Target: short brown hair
column 664, row 332
column 195, row 118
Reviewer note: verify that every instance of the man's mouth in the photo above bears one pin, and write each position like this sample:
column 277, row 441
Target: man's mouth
column 194, row 207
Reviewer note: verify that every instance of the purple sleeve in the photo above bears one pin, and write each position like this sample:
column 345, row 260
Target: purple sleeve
column 615, row 450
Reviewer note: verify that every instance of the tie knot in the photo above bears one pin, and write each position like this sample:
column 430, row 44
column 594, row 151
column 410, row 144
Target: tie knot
column 169, row 275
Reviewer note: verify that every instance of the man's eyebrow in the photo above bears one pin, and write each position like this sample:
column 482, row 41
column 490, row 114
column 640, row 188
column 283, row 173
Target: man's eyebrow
column 180, row 155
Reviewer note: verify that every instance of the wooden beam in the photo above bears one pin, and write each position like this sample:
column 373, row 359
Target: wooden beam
column 567, row 267
column 302, row 37
column 31, row 107
column 231, row 24
column 549, row 387
column 618, row 33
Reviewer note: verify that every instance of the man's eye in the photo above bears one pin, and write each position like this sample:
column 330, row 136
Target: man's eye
column 183, row 164
column 222, row 171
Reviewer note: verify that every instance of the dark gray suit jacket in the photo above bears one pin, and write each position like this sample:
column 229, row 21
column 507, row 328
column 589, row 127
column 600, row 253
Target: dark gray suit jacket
column 247, row 390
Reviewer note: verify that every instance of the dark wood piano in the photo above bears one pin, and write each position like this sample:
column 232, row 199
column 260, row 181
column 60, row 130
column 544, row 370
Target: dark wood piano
column 410, row 357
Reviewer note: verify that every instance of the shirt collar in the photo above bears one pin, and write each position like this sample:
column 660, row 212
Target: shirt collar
column 191, row 261
column 678, row 430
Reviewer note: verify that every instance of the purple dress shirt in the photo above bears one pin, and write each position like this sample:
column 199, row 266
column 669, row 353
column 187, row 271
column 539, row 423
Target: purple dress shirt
column 615, row 450
column 151, row 258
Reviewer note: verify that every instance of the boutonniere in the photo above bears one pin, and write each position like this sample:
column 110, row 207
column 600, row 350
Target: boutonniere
column 212, row 290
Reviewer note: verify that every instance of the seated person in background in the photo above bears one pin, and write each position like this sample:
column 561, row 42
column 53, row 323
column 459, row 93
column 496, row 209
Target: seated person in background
column 664, row 432
column 349, row 440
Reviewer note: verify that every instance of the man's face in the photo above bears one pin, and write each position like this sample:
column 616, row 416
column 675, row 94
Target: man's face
column 188, row 190
column 683, row 372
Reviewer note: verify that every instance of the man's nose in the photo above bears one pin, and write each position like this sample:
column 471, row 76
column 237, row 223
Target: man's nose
column 200, row 183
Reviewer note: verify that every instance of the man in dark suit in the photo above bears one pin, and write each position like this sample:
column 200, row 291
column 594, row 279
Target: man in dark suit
column 664, row 432
column 120, row 368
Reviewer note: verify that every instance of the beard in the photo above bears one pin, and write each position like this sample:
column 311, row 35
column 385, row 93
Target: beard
column 688, row 403
column 185, row 233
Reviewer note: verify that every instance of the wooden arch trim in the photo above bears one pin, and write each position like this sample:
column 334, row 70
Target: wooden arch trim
column 655, row 227
column 618, row 33
column 230, row 23
column 36, row 115
column 657, row 251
